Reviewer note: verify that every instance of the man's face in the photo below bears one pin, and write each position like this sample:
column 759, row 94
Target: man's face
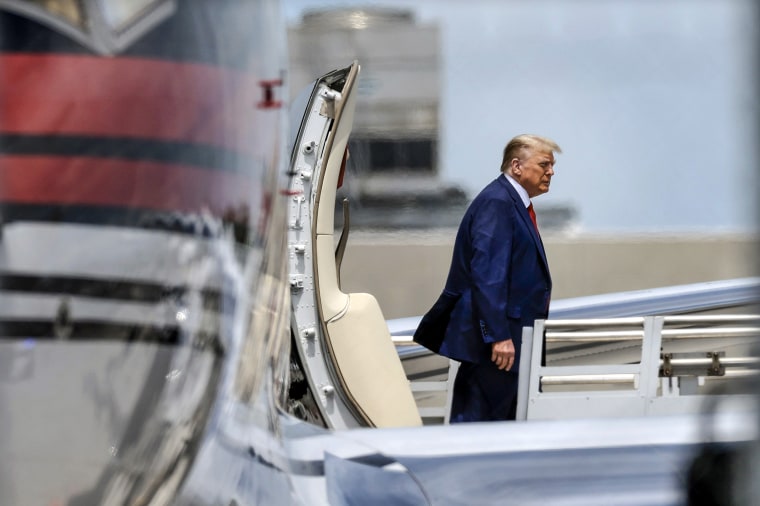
column 534, row 171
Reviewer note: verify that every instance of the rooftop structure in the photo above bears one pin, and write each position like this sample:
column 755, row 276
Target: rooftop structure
column 394, row 144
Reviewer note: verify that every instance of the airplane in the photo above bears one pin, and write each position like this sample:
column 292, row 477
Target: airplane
column 172, row 328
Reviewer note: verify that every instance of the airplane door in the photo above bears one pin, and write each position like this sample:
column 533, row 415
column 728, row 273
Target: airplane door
column 341, row 339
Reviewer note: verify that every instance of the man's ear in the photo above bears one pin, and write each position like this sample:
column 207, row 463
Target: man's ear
column 514, row 165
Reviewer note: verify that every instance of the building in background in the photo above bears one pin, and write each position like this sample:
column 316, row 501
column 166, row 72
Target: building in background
column 394, row 179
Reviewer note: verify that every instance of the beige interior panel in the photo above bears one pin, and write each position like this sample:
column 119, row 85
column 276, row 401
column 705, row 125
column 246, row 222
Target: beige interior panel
column 332, row 301
column 369, row 365
column 361, row 348
column 325, row 223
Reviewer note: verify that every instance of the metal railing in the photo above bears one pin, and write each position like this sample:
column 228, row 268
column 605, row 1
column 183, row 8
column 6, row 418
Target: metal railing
column 633, row 365
column 618, row 366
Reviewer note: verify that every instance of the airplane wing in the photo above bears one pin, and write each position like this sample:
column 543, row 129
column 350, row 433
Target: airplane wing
column 619, row 461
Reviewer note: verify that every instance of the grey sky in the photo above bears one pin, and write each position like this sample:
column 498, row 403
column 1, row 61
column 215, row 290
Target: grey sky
column 654, row 103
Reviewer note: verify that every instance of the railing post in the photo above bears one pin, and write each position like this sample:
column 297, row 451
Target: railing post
column 651, row 345
column 453, row 369
column 527, row 362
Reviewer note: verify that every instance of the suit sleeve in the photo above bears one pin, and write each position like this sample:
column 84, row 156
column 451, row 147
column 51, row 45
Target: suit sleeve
column 492, row 234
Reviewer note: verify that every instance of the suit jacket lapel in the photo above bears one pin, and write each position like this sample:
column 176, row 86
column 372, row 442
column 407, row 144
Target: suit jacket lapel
column 522, row 211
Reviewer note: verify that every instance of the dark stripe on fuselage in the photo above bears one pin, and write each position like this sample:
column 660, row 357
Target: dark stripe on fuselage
column 171, row 152
column 145, row 219
column 113, row 289
column 88, row 331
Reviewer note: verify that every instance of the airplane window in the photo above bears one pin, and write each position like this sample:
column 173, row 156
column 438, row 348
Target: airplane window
column 71, row 12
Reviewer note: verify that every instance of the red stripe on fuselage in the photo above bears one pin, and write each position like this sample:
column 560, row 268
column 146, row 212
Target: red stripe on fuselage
column 62, row 94
column 121, row 183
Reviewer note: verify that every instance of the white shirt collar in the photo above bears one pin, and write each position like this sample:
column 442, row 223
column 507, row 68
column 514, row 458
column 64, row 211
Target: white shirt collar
column 522, row 192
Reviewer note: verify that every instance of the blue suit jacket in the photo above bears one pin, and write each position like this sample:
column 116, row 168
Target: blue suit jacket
column 498, row 282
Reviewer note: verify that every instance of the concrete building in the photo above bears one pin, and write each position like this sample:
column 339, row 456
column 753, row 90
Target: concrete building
column 394, row 146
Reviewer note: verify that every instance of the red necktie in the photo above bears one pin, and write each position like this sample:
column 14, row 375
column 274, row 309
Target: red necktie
column 532, row 214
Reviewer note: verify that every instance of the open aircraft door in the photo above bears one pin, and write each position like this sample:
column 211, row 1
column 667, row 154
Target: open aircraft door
column 343, row 353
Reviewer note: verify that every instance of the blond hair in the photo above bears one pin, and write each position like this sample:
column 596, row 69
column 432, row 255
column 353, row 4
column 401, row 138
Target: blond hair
column 515, row 147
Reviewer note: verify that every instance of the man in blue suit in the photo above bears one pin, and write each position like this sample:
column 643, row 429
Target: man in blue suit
column 498, row 283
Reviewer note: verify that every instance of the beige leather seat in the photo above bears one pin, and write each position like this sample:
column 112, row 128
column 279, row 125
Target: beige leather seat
column 360, row 344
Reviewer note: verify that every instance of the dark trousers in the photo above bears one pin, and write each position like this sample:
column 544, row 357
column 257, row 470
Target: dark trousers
column 483, row 393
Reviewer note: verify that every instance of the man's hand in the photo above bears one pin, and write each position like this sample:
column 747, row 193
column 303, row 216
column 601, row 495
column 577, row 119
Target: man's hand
column 503, row 354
